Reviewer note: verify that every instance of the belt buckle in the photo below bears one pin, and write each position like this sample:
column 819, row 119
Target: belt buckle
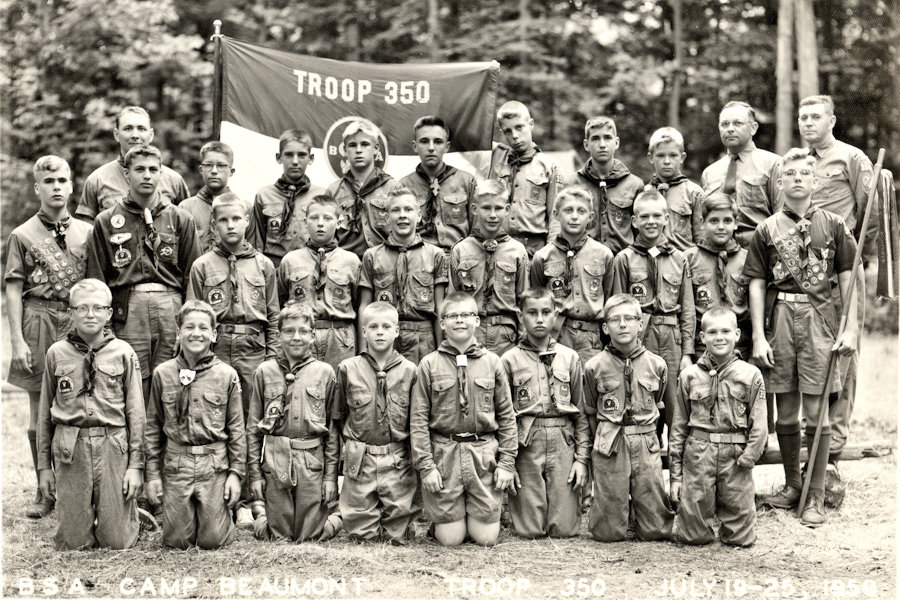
column 227, row 327
column 198, row 450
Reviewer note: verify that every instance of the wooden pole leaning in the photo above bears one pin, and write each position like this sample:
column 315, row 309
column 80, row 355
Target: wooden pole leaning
column 217, row 80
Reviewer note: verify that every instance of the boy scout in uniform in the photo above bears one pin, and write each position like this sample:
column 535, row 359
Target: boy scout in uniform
column 91, row 425
column 718, row 433
column 790, row 261
column 143, row 248
column 463, row 430
column 683, row 196
column 531, row 177
column 612, row 185
column 324, row 276
column 45, row 256
column 109, row 183
column 554, row 437
column 363, row 190
column 276, row 219
column 576, row 269
column 195, row 437
column 745, row 172
column 293, row 440
column 216, row 159
column 655, row 272
column 445, row 193
column 623, row 394
column 407, row 272
column 371, row 402
column 716, row 265
column 492, row 267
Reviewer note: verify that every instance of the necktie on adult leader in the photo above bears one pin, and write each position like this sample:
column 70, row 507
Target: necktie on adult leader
column 731, row 175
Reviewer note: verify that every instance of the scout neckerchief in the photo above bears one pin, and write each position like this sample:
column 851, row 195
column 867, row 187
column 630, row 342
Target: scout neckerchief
column 245, row 251
column 617, row 172
column 394, row 359
column 90, row 369
column 517, row 161
column 402, row 265
column 290, row 189
column 156, row 207
column 708, row 364
column 545, row 358
column 663, row 187
column 628, row 372
column 186, row 375
column 569, row 251
column 722, row 253
column 645, row 248
column 489, row 245
column 375, row 181
column 475, row 350
column 321, row 265
column 290, row 373
column 427, row 225
column 206, row 196
column 273, row 411
column 57, row 228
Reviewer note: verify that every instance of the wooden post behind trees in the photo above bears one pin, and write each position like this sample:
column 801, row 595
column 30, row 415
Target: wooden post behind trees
column 675, row 97
column 784, row 71
column 807, row 53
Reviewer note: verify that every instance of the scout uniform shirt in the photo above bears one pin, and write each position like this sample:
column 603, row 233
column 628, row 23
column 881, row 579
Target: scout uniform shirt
column 800, row 255
column 290, row 404
column 278, row 217
column 107, row 185
column 195, row 407
column 717, row 278
column 90, row 387
column 727, row 398
column 240, row 288
column 200, row 209
column 659, row 279
column 578, row 276
column 613, row 198
column 325, row 278
column 494, row 271
column 532, row 180
column 363, row 219
column 131, row 245
column 404, row 276
column 683, row 197
column 548, row 384
column 754, row 192
column 622, row 390
column 473, row 399
column 444, row 202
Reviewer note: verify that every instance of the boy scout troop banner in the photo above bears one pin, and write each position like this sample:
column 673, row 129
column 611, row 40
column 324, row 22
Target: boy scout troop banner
column 265, row 92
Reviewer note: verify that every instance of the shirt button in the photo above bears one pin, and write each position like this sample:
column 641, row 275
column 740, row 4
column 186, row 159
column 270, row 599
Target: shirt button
column 65, row 452
column 90, row 413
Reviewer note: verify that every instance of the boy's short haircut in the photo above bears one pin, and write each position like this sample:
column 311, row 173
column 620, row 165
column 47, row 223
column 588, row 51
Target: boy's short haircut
column 296, row 310
column 142, row 151
column 431, row 121
column 801, row 154
column 324, row 200
column 400, row 192
column 511, row 109
column 217, row 146
column 227, row 199
column 294, row 135
column 200, row 306
column 601, row 122
column 741, row 104
column 622, row 300
column 574, row 192
column 140, row 110
column 648, row 195
column 717, row 201
column 714, row 313
column 89, row 285
column 490, row 188
column 379, row 307
column 665, row 135
column 535, row 293
column 51, row 162
column 819, row 99
column 364, row 126
column 456, row 298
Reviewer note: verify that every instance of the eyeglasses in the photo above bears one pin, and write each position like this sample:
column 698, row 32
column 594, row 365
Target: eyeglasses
column 457, row 316
column 84, row 309
column 793, row 173
column 619, row 319
column 735, row 124
column 218, row 166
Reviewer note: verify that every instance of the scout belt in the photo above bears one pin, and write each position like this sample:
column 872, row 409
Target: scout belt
column 788, row 297
column 581, row 325
column 639, row 429
column 198, row 450
column 735, row 437
column 464, row 437
column 552, row 421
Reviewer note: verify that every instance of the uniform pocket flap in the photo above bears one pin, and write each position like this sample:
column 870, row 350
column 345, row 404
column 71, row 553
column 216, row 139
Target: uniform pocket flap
column 555, row 268
column 316, row 391
column 298, row 275
column 650, row 383
column 339, row 277
column 506, row 266
column 378, row 201
column 440, row 385
column 701, row 277
column 681, row 208
column 595, row 269
column 214, row 398
column 255, row 279
column 538, row 178
column 111, row 369
column 383, row 280
column 454, row 198
column 358, row 400
column 637, row 275
column 755, row 180
column 168, row 238
column 522, row 377
column 484, row 382
column 561, row 375
column 215, row 278
column 65, row 369
column 672, row 278
column 621, row 201
column 423, row 278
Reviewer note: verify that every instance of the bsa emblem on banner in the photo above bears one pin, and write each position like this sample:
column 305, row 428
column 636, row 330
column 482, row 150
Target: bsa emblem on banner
column 337, row 155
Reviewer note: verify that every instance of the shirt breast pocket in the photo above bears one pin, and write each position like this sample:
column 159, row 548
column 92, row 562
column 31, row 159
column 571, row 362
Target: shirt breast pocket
column 214, row 289
column 593, row 280
column 740, row 401
column 384, row 282
column 421, row 289
column 360, row 404
column 337, row 289
column 68, row 382
column 484, row 390
column 315, row 396
column 109, row 381
column 562, row 391
column 255, row 294
column 213, row 406
column 455, row 208
column 505, row 277
column 639, row 285
column 703, row 288
column 300, row 286
column 444, row 396
column 167, row 251
column 537, row 185
column 680, row 220
column 737, row 290
column 524, row 396
column 753, row 192
column 649, row 386
column 671, row 289
column 700, row 400
column 470, row 273
column 378, row 211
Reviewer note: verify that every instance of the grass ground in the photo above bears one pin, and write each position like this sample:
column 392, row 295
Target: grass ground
column 857, row 545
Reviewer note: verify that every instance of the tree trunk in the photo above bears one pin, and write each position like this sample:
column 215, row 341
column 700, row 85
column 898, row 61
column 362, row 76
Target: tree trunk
column 784, row 67
column 807, row 53
column 434, row 30
column 675, row 97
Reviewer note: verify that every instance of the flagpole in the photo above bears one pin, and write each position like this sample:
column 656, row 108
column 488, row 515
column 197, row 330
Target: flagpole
column 217, row 80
